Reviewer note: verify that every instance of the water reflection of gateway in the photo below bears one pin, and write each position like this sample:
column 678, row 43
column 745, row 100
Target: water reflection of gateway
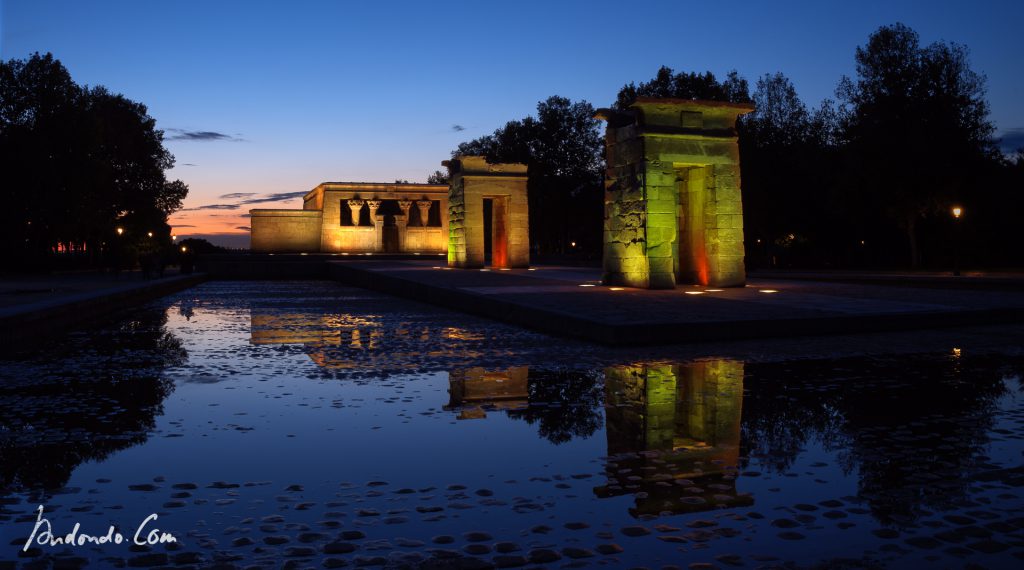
column 472, row 390
column 674, row 435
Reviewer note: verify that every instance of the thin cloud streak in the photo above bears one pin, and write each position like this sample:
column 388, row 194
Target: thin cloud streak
column 200, row 136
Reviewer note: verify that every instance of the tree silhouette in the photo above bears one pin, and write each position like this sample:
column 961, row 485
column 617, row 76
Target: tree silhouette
column 81, row 161
column 692, row 85
column 563, row 148
column 917, row 124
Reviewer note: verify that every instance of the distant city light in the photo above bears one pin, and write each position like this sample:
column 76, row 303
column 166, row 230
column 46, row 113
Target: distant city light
column 957, row 211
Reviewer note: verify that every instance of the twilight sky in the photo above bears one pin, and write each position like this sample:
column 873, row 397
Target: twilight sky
column 261, row 101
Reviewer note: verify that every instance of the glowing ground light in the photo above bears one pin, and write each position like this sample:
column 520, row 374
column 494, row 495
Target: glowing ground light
column 504, row 269
column 712, row 290
column 694, row 292
column 485, row 269
column 303, row 254
column 616, row 289
column 586, row 284
column 532, row 269
column 769, row 291
column 344, row 253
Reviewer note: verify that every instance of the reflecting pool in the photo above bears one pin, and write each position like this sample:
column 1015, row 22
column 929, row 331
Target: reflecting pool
column 304, row 424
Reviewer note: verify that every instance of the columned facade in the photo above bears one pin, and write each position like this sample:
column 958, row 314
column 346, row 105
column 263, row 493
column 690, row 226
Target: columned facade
column 358, row 217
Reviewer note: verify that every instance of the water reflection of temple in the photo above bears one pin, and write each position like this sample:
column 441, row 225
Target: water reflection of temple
column 339, row 340
column 473, row 391
column 329, row 337
column 674, row 435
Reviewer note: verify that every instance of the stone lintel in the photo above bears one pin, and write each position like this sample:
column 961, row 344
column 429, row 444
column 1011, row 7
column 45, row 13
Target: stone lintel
column 478, row 165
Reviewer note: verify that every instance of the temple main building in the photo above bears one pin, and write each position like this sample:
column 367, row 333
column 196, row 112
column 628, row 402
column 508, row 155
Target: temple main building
column 358, row 217
column 480, row 218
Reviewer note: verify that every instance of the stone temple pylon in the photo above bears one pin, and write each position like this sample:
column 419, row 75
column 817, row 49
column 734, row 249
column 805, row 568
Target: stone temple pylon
column 673, row 211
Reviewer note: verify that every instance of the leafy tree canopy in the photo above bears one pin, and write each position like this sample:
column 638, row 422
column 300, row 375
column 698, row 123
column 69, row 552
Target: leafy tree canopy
column 563, row 148
column 692, row 85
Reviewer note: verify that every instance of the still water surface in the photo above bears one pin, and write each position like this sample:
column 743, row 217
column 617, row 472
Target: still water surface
column 325, row 426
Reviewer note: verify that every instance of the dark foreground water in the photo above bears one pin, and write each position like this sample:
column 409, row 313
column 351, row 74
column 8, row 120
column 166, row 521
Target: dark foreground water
column 311, row 425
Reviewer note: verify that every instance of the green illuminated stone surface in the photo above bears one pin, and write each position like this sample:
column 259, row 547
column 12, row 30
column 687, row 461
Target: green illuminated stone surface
column 673, row 211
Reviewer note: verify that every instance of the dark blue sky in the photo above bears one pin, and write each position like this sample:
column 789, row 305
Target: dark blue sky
column 290, row 94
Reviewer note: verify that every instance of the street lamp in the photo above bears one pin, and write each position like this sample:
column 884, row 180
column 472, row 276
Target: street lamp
column 150, row 234
column 173, row 237
column 184, row 249
column 957, row 213
column 120, row 231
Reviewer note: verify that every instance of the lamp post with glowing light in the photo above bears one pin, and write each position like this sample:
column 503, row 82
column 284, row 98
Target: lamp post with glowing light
column 957, row 213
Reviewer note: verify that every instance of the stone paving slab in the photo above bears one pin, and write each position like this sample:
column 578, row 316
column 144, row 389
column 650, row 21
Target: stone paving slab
column 571, row 302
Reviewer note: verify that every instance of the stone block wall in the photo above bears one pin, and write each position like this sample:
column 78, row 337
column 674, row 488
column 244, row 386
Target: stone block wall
column 425, row 240
column 284, row 230
column 673, row 211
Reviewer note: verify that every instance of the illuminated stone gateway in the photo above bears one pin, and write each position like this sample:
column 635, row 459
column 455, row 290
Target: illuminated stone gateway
column 358, row 217
column 488, row 214
column 673, row 212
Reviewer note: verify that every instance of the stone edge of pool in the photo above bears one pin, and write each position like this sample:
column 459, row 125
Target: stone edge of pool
column 30, row 321
column 570, row 323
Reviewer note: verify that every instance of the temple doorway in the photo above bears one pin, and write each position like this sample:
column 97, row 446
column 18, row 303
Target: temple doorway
column 390, row 242
column 389, row 238
column 496, row 231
